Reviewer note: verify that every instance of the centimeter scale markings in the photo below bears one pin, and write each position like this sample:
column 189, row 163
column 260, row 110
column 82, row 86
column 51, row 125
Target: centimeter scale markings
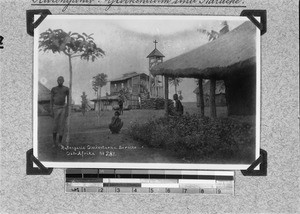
column 149, row 181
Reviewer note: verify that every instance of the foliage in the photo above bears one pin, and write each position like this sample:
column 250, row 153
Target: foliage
column 197, row 138
column 71, row 44
column 144, row 87
column 212, row 35
column 203, row 81
column 99, row 81
column 175, row 82
column 125, row 93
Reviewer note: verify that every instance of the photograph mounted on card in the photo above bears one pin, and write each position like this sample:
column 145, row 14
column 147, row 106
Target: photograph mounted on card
column 147, row 92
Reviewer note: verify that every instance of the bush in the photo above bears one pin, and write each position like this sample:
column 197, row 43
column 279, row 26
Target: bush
column 195, row 138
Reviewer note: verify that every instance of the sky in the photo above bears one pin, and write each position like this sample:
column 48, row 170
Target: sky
column 127, row 41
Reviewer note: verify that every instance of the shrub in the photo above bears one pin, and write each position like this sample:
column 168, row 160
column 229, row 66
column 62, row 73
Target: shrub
column 195, row 138
column 141, row 132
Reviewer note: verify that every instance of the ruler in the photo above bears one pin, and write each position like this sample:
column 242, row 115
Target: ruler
column 149, row 181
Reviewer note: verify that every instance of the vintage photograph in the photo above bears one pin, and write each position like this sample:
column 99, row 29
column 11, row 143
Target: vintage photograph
column 146, row 92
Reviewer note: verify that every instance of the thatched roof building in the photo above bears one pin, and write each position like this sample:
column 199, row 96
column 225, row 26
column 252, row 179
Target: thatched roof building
column 232, row 58
column 230, row 52
column 43, row 93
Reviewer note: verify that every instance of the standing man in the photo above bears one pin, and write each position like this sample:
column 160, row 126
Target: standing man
column 59, row 109
column 120, row 102
column 83, row 103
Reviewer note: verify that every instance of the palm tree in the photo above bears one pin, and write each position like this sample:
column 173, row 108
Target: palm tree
column 175, row 81
column 72, row 45
column 99, row 81
column 212, row 35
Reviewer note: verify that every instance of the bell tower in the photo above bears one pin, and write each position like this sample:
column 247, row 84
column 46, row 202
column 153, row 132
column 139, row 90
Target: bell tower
column 156, row 87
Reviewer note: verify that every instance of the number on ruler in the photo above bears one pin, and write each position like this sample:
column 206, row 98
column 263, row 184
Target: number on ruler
column 83, row 189
column 101, row 190
column 184, row 190
column 151, row 190
column 168, row 190
column 1, row 43
column 118, row 189
column 134, row 189
column 75, row 190
column 219, row 191
column 201, row 190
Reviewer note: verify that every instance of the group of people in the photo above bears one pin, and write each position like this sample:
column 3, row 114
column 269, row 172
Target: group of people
column 59, row 111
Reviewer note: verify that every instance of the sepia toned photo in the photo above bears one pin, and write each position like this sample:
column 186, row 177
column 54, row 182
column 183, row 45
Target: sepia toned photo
column 146, row 92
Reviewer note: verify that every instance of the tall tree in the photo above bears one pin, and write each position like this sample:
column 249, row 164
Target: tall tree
column 72, row 45
column 99, row 81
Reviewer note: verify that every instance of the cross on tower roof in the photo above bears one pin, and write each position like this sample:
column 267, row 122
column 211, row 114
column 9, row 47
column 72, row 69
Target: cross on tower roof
column 155, row 43
column 155, row 52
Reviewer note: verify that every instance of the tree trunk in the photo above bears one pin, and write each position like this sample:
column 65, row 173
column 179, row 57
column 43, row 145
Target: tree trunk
column 213, row 111
column 96, row 104
column 201, row 97
column 70, row 104
column 166, row 96
column 99, row 104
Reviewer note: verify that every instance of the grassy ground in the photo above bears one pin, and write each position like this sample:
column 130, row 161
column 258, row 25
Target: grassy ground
column 91, row 141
